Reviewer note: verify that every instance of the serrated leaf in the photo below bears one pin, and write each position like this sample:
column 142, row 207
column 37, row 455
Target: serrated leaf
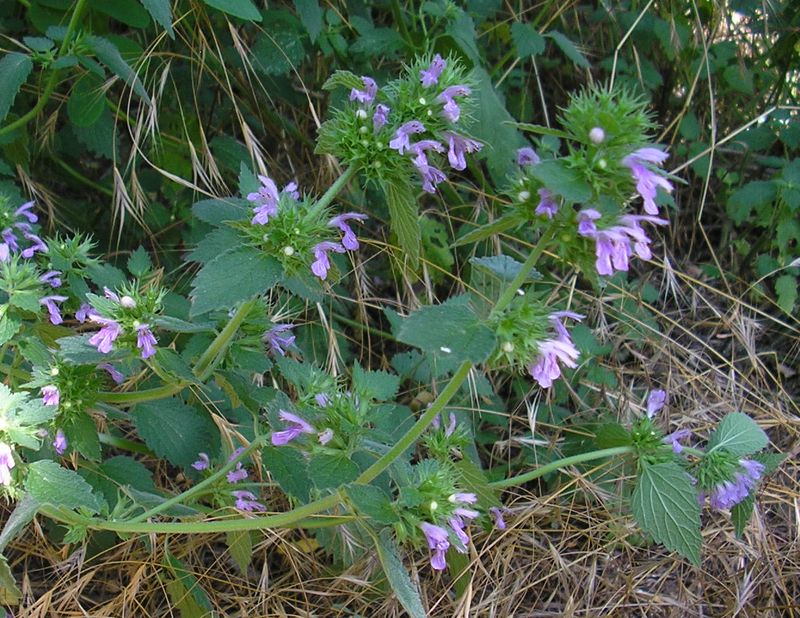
column 139, row 262
column 8, row 328
column 450, row 330
column 215, row 243
column 9, row 592
column 311, row 16
column 81, row 433
column 786, row 289
column 233, row 277
column 289, row 469
column 665, row 506
column 243, row 9
column 161, row 12
column 462, row 29
column 609, row 435
column 373, row 502
column 330, row 471
column 378, row 385
column 506, row 222
column 527, row 40
column 173, row 430
column 569, row 49
column 14, row 71
column 752, row 195
column 404, row 218
column 504, row 267
column 49, row 483
column 240, row 546
column 741, row 514
column 78, row 350
column 109, row 55
column 129, row 12
column 20, row 517
column 343, row 79
column 406, row 590
column 738, row 434
column 563, row 180
column 216, row 212
column 474, row 479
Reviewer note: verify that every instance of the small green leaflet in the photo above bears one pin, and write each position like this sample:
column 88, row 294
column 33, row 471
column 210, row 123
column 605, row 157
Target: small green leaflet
column 528, row 41
column 665, row 506
column 738, row 434
column 14, row 71
column 49, row 483
column 20, row 517
column 786, row 288
column 109, row 55
column 161, row 12
column 243, row 9
column 406, row 590
column 404, row 218
column 311, row 16
column 564, row 181
column 569, row 49
column 172, row 429
column 378, row 385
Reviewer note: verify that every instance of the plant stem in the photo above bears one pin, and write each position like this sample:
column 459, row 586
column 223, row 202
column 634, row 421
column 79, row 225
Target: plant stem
column 332, row 192
column 151, row 394
column 561, row 463
column 50, row 85
column 209, row 359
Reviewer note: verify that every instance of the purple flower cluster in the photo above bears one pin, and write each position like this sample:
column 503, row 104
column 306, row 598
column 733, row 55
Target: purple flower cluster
column 438, row 536
column 731, row 492
column 10, row 235
column 247, row 501
column 49, row 303
column 615, row 245
column 60, row 443
column 239, row 473
column 266, row 199
column 279, row 338
column 51, row 396
column 6, row 463
column 111, row 329
column 546, row 369
column 648, row 181
column 298, row 426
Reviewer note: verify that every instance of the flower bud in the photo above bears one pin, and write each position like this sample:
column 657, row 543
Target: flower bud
column 362, row 113
column 127, row 302
column 602, row 164
column 507, row 347
column 54, row 371
column 422, row 101
column 597, row 135
column 434, row 505
column 288, row 251
column 362, row 130
column 524, row 196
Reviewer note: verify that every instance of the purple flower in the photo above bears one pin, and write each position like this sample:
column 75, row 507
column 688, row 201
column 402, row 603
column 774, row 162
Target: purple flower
column 110, row 295
column 263, row 212
column 52, row 278
column 145, row 340
column 457, row 523
column 6, row 463
column 276, row 339
column 421, row 146
column 458, row 147
column 322, row 400
column 38, row 245
column 497, row 515
column 51, row 396
column 265, row 199
column 641, row 242
column 401, row 141
column 437, row 538
column 291, row 190
column 463, row 498
column 5, row 253
column 112, row 371
column 380, row 117
column 322, row 263
column 675, row 437
column 367, row 95
column 105, row 337
column 349, row 240
column 296, row 426
column 527, row 156
column 60, row 443
column 547, row 207
column 655, row 401
column 84, row 312
column 430, row 76
column 451, row 425
column 246, row 501
column 586, row 219
column 648, row 181
column 202, row 462
column 431, row 176
column 325, row 436
column 25, row 211
column 546, row 369
column 612, row 251
column 731, row 492
column 10, row 239
column 52, row 308
column 451, row 110
column 237, row 474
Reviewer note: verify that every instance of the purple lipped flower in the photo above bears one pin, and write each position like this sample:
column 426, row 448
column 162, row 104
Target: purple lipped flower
column 612, row 250
column 462, row 498
column 497, row 515
column 52, row 278
column 279, row 342
column 113, row 372
column 430, row 76
column 546, row 369
column 49, row 303
column 451, row 424
column 419, row 148
column 5, row 253
column 631, row 226
column 291, row 190
column 325, row 436
column 458, row 146
column 202, row 463
column 527, row 156
column 547, row 206
column 401, row 142
column 451, row 110
column 265, row 199
column 104, row 339
column 457, row 525
column 438, row 541
column 586, row 219
column 731, row 492
column 84, row 312
column 6, row 463
column 322, row 263
column 10, row 239
column 296, row 427
column 380, row 117
column 431, row 177
column 349, row 240
column 145, row 340
column 237, row 474
column 323, row 401
column 675, row 437
column 655, row 401
column 38, row 245
column 246, row 501
column 51, row 396
column 110, row 294
column 367, row 95
column 60, row 443
column 648, row 181
column 25, row 211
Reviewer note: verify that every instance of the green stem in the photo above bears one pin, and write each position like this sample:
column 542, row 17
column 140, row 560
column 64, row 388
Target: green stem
column 561, row 463
column 50, row 86
column 123, row 444
column 151, row 394
column 210, row 358
column 332, row 192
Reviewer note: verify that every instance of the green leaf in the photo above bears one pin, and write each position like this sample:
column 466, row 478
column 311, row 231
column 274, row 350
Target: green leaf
column 609, row 435
column 215, row 243
column 539, row 129
column 233, row 277
column 528, row 41
column 332, row 471
column 378, row 385
column 8, row 327
column 9, row 592
column 289, row 469
column 373, row 502
column 462, row 29
column 129, row 12
column 738, row 434
column 49, row 483
column 161, row 12
column 81, row 433
column 311, row 16
column 404, row 218
column 243, row 9
column 173, row 430
column 109, row 55
column 14, row 71
column 474, row 479
column 20, row 517
column 185, row 591
column 406, row 590
column 498, row 226
column 741, row 514
column 139, row 262
column 569, row 49
column 216, row 212
column 451, row 330
column 343, row 79
column 279, row 49
column 786, row 289
column 504, row 267
column 240, row 546
column 757, row 193
column 665, row 506
column 563, row 180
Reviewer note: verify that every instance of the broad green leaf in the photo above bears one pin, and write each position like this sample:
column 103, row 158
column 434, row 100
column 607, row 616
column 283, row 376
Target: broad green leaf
column 109, row 55
column 665, row 506
column 311, row 16
column 289, row 469
column 279, row 49
column 243, row 9
column 129, row 12
column 406, row 590
column 741, row 514
column 217, row 211
column 343, row 79
column 185, row 591
column 330, row 471
column 462, row 29
column 214, row 244
column 139, row 262
column 498, row 226
column 173, row 430
column 14, row 71
column 609, row 435
column 8, row 327
column 233, row 277
column 86, row 101
column 569, row 49
column 40, row 44
column 528, row 41
column 81, row 433
column 738, row 434
column 378, row 385
column 450, row 330
column 161, row 12
column 177, row 325
column 474, row 479
column 20, row 517
column 373, row 502
column 78, row 350
column 240, row 546
column 557, row 176
column 9, row 592
column 503, row 267
column 404, row 218
column 49, row 483
column 786, row 289
column 752, row 195
column 539, row 129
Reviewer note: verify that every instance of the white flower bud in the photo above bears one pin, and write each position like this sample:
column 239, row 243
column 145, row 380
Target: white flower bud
column 434, row 505
column 54, row 371
column 422, row 101
column 597, row 135
column 288, row 251
column 524, row 196
column 362, row 130
column 127, row 302
column 507, row 347
column 362, row 113
column 602, row 164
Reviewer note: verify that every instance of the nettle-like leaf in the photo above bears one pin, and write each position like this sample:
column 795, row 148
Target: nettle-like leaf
column 404, row 217
column 161, row 12
column 14, row 71
column 378, row 385
column 243, row 9
column 49, row 483
column 738, row 434
column 406, row 590
column 665, row 506
column 561, row 179
column 109, row 55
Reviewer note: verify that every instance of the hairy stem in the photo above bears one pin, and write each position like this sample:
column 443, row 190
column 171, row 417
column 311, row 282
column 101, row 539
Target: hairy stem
column 333, row 191
column 210, row 358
